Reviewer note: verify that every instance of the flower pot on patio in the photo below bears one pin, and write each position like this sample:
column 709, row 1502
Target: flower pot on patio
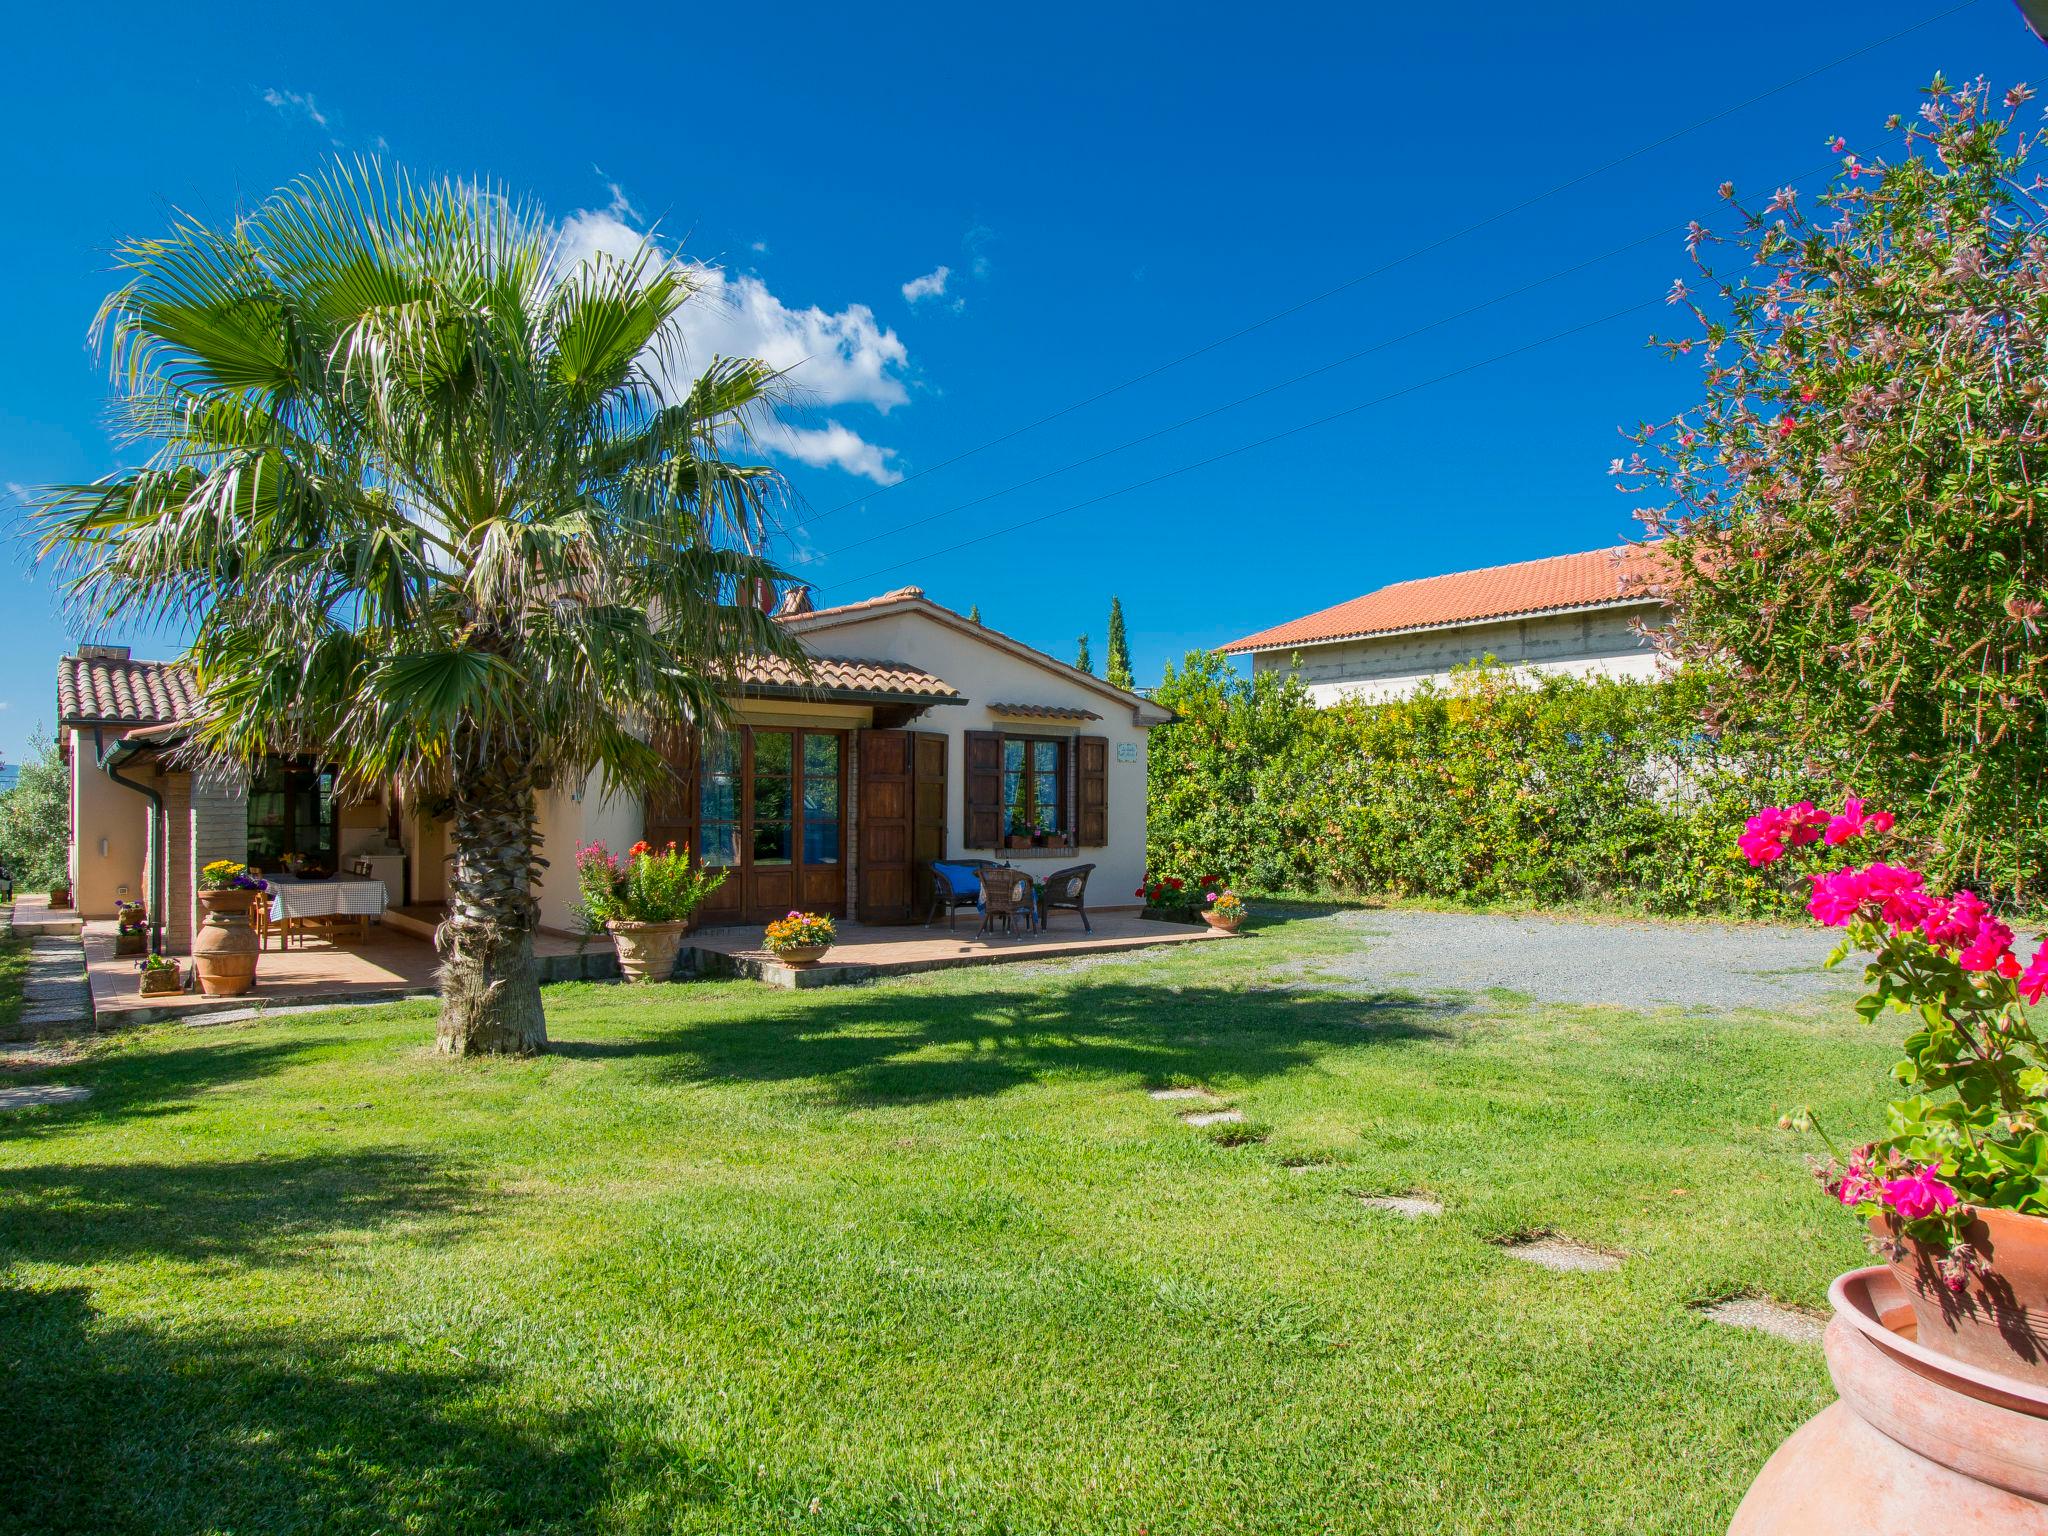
column 1996, row 1317
column 647, row 951
column 802, row 954
column 1222, row 923
column 130, row 941
column 225, row 948
column 1918, row 1442
column 158, row 983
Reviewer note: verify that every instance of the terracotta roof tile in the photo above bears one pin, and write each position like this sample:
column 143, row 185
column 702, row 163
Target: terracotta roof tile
column 123, row 692
column 1043, row 712
column 845, row 676
column 1592, row 579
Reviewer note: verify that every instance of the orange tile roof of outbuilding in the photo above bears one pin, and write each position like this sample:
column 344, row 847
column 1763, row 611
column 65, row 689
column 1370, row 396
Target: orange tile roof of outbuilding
column 1596, row 578
column 116, row 690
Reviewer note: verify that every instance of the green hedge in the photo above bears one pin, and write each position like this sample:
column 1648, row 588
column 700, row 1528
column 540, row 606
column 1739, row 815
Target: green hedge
column 1496, row 789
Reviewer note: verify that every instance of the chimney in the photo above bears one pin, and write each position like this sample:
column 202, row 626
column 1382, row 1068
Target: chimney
column 797, row 600
column 103, row 653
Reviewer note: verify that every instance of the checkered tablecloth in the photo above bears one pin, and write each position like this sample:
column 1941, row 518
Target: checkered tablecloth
column 342, row 896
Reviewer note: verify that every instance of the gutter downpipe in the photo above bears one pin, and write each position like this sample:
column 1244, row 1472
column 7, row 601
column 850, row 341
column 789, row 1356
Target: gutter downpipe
column 159, row 839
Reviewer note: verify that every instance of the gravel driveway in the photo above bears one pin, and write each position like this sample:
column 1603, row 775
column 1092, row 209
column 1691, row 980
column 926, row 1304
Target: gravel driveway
column 1558, row 960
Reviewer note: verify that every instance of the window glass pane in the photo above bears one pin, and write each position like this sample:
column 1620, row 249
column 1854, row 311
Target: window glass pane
column 771, row 842
column 1048, row 818
column 1013, row 754
column 718, row 799
column 821, row 842
column 721, row 844
column 821, row 756
column 1013, row 801
column 771, row 799
column 1045, row 756
column 1048, row 790
column 771, row 752
column 721, row 752
column 821, row 797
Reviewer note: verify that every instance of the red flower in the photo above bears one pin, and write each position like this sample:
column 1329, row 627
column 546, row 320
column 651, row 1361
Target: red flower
column 1210, row 879
column 637, row 849
column 1139, row 891
column 1174, row 881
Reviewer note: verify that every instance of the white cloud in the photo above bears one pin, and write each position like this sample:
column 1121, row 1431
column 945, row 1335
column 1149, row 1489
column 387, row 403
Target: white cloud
column 293, row 104
column 976, row 243
column 931, row 286
column 828, row 357
column 759, row 247
column 832, row 445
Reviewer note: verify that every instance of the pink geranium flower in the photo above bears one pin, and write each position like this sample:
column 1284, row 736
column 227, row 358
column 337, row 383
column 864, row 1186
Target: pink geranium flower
column 2034, row 979
column 1919, row 1194
column 1854, row 821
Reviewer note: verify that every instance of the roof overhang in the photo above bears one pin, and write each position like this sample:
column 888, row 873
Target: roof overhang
column 1240, row 648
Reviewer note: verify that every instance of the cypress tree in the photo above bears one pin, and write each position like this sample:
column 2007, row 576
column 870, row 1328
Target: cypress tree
column 1119, row 647
column 1081, row 657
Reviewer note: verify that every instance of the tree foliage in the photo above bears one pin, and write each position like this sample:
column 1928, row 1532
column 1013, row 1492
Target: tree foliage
column 35, row 821
column 1119, row 658
column 1855, row 507
column 1497, row 788
column 1081, row 657
column 428, row 494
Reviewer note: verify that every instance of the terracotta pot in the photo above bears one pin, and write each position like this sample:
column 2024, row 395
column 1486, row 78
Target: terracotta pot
column 130, row 941
column 60, row 901
column 1225, row 924
column 1999, row 1319
column 158, row 983
column 647, row 951
column 1918, row 1442
column 805, row 954
column 225, row 948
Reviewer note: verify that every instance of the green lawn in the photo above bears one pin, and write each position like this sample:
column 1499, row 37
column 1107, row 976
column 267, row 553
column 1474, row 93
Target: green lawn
column 921, row 1257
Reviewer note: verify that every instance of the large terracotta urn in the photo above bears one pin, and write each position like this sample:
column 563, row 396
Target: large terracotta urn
column 225, row 948
column 1919, row 1441
column 647, row 951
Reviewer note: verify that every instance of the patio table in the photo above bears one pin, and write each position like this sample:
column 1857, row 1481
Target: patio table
column 297, row 905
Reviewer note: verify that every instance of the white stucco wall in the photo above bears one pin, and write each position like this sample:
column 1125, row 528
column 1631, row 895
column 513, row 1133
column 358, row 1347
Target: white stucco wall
column 988, row 674
column 1593, row 643
column 566, row 823
column 103, row 811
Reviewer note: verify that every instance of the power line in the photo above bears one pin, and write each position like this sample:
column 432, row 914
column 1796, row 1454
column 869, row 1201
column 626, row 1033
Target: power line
column 1263, row 442
column 1388, row 266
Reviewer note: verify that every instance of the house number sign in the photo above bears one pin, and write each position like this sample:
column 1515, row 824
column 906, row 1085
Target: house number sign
column 1127, row 751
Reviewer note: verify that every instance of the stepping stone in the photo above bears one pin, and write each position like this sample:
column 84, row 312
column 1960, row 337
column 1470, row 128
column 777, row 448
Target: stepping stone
column 48, row 1093
column 1562, row 1254
column 1182, row 1093
column 1215, row 1117
column 1410, row 1206
column 1753, row 1312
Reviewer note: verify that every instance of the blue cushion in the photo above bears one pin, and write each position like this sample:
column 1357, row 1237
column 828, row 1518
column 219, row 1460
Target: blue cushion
column 960, row 880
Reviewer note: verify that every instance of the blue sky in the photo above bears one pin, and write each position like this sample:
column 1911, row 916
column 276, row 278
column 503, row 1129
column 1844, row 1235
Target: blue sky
column 968, row 219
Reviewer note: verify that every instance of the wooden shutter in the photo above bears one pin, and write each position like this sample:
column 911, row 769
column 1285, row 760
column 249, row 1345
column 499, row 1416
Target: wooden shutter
column 886, row 888
column 981, row 788
column 672, row 805
column 927, row 814
column 1091, row 778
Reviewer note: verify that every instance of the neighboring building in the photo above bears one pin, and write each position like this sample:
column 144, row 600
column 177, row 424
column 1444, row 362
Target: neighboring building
column 10, row 775
column 1577, row 614
column 919, row 735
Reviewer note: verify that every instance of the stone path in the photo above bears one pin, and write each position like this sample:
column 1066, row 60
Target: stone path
column 1562, row 1254
column 1215, row 1117
column 1770, row 1317
column 1409, row 1206
column 55, row 999
column 47, row 1093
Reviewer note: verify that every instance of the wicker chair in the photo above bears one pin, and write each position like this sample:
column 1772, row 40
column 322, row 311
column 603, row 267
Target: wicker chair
column 1066, row 888
column 1006, row 893
column 948, row 899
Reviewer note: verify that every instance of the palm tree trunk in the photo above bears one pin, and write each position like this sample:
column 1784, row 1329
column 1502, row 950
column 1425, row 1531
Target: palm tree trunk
column 490, row 989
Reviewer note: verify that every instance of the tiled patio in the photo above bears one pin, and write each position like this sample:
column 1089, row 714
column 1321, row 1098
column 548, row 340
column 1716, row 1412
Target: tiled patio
column 392, row 965
column 863, row 953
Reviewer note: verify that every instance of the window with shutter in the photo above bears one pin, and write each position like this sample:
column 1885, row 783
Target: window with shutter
column 981, row 790
column 1092, row 788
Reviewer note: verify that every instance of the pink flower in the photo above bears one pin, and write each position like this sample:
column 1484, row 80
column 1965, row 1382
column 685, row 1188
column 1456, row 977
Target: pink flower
column 1854, row 821
column 2034, row 980
column 1991, row 943
column 1214, row 894
column 1919, row 1195
column 1953, row 924
column 1837, row 897
column 1775, row 828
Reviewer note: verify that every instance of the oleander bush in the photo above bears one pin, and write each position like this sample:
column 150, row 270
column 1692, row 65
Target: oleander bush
column 1497, row 789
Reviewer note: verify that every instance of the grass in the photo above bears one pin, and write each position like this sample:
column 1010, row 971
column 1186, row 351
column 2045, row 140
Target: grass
column 13, row 976
column 920, row 1257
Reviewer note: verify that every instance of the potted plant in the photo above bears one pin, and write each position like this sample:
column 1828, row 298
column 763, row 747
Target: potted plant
column 1168, row 900
column 60, row 896
column 645, row 902
column 1225, row 909
column 1955, row 1194
column 800, row 938
column 129, row 935
column 224, row 949
column 159, row 975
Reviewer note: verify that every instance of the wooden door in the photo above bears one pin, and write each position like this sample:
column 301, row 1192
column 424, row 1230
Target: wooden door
column 887, row 889
column 927, row 814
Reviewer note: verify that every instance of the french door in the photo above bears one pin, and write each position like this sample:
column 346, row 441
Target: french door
column 771, row 813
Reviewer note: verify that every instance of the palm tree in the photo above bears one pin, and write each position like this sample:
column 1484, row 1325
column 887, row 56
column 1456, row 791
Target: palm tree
column 421, row 489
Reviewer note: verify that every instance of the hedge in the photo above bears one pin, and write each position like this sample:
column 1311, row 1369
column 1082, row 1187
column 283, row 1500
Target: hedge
column 1498, row 789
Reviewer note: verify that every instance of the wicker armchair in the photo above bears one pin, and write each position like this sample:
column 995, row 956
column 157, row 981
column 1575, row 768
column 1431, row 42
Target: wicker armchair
column 950, row 898
column 1066, row 888
column 1006, row 893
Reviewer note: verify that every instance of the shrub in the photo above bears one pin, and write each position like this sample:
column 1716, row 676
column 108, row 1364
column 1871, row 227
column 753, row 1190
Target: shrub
column 1497, row 788
column 35, row 829
column 647, row 887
